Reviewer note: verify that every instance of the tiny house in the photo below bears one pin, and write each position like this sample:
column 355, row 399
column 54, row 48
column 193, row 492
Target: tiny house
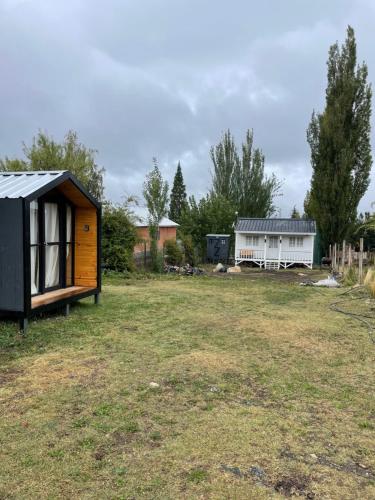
column 275, row 243
column 50, row 231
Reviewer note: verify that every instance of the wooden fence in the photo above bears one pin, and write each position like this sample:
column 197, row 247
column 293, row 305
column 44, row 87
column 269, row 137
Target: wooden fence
column 345, row 256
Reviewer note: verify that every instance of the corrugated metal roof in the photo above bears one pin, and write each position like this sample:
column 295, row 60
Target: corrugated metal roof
column 23, row 184
column 276, row 225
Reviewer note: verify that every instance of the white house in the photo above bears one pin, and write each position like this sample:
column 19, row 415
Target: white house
column 275, row 243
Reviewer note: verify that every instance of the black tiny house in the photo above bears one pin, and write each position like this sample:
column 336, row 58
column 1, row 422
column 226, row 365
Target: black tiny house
column 50, row 241
column 218, row 247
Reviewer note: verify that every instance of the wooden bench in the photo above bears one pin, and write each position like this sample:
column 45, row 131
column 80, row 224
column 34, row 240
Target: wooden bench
column 246, row 254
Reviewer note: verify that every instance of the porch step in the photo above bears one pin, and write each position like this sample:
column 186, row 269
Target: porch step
column 271, row 265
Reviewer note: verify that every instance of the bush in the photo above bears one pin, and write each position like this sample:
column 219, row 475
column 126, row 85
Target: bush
column 369, row 281
column 350, row 277
column 119, row 238
column 188, row 249
column 119, row 259
column 172, row 252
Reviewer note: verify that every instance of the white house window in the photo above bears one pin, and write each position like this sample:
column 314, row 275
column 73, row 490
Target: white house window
column 273, row 242
column 296, row 241
column 252, row 241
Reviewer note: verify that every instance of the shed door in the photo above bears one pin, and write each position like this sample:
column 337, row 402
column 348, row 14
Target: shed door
column 273, row 247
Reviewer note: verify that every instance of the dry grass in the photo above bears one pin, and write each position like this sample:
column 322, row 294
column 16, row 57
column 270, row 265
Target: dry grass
column 263, row 393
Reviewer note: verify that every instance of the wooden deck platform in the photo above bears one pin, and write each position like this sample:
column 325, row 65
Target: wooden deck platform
column 56, row 295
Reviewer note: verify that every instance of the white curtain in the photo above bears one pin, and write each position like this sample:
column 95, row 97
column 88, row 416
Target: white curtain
column 52, row 222
column 34, row 254
column 52, row 266
column 34, row 222
column 52, row 273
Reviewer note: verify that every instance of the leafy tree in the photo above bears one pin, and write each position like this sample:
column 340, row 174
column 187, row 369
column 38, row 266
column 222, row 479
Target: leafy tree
column 226, row 162
column 46, row 154
column 295, row 213
column 178, row 196
column 173, row 252
column 365, row 228
column 155, row 192
column 188, row 249
column 212, row 214
column 119, row 236
column 339, row 139
column 308, row 214
column 243, row 180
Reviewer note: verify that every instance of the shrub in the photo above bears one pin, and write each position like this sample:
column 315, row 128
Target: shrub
column 173, row 254
column 188, row 249
column 369, row 281
column 118, row 258
column 119, row 238
column 350, row 277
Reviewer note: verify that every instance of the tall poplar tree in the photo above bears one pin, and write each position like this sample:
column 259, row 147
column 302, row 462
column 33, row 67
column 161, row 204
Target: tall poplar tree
column 339, row 139
column 178, row 196
column 242, row 179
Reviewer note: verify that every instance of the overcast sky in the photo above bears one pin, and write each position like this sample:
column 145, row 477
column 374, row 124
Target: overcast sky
column 144, row 78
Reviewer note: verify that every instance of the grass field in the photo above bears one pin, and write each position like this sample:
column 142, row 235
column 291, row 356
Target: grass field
column 263, row 392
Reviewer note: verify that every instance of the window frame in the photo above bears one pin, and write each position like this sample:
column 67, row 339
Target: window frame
column 62, row 203
column 274, row 239
column 252, row 240
column 296, row 241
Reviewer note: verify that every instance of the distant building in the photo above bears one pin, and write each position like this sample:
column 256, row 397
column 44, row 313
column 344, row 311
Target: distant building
column 167, row 231
column 275, row 243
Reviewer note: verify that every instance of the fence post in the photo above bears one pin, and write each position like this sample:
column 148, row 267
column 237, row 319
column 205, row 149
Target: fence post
column 330, row 252
column 343, row 255
column 334, row 261
column 350, row 256
column 360, row 263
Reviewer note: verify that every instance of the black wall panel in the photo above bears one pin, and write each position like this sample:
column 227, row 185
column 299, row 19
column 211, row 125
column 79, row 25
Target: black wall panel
column 11, row 255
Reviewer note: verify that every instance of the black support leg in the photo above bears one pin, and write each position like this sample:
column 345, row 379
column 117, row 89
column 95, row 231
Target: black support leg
column 24, row 323
column 97, row 298
column 66, row 310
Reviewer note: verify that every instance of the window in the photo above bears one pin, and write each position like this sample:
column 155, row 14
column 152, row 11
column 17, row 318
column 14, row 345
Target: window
column 252, row 241
column 52, row 244
column 296, row 241
column 272, row 241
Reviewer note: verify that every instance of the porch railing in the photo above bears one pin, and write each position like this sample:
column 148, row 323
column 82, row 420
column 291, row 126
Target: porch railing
column 248, row 254
column 285, row 255
column 296, row 256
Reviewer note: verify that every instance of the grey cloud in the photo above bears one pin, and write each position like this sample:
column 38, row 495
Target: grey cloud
column 165, row 78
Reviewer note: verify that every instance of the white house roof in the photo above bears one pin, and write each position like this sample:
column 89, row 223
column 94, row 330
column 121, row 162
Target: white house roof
column 23, row 184
column 251, row 225
column 165, row 222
